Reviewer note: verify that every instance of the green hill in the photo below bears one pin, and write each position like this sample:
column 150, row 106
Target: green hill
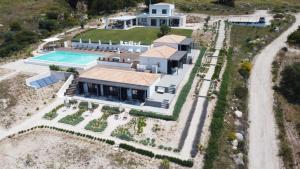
column 28, row 12
column 240, row 7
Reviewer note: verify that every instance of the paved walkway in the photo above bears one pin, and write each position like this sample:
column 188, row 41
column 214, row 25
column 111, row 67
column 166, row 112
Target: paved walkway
column 263, row 146
column 192, row 132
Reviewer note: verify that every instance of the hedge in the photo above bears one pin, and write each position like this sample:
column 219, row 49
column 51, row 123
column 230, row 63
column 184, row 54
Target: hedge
column 111, row 109
column 217, row 123
column 137, row 150
column 186, row 163
column 84, row 105
column 181, row 98
column 111, row 142
column 187, row 87
column 136, row 112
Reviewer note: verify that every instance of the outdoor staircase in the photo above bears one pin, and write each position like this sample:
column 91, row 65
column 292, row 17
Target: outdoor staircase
column 165, row 104
column 71, row 91
column 172, row 89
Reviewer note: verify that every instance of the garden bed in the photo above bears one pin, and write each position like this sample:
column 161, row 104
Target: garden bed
column 53, row 113
column 73, row 119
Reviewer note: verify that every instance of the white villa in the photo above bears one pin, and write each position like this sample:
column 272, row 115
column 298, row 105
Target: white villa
column 159, row 14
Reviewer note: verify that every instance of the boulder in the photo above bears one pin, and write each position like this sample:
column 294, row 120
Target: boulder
column 239, row 136
column 238, row 114
column 234, row 144
column 238, row 159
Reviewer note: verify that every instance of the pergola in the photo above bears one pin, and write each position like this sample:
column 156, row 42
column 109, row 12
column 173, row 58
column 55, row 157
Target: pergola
column 122, row 22
column 51, row 40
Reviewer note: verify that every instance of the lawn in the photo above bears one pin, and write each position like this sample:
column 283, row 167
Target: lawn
column 145, row 35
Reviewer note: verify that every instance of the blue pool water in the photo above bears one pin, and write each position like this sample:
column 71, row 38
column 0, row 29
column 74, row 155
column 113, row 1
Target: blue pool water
column 68, row 57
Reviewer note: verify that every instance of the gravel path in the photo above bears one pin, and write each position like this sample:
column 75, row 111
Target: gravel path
column 263, row 146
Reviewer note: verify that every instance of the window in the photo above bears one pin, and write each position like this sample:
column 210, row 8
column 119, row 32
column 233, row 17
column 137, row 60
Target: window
column 153, row 11
column 164, row 11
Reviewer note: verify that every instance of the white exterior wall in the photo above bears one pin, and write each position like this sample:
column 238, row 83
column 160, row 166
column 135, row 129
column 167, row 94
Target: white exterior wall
column 159, row 7
column 149, row 61
column 172, row 45
column 151, row 89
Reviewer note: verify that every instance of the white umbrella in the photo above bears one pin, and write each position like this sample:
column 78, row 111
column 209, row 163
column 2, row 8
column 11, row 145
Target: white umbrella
column 118, row 51
column 99, row 42
column 80, row 40
column 110, row 42
column 90, row 41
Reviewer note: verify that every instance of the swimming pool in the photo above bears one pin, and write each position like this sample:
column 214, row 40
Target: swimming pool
column 67, row 58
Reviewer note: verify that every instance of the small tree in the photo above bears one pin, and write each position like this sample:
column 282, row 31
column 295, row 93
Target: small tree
column 165, row 164
column 164, row 30
column 15, row 26
column 82, row 23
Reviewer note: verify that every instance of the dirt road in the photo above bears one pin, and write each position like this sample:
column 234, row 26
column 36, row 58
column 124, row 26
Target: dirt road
column 263, row 146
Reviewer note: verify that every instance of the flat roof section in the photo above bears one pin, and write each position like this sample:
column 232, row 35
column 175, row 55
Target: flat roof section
column 120, row 76
column 178, row 55
column 164, row 52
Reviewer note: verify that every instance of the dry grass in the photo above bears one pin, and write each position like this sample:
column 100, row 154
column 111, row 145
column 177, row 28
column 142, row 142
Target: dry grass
column 18, row 101
column 26, row 12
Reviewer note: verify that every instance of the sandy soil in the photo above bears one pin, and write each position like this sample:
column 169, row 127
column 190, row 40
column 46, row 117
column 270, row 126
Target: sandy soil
column 4, row 71
column 62, row 151
column 18, row 101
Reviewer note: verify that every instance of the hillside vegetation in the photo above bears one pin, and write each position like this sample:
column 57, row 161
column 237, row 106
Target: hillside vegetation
column 240, row 6
column 27, row 12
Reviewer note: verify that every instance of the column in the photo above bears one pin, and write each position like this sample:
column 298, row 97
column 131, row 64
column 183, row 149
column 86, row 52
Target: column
column 85, row 88
column 131, row 23
column 97, row 91
column 129, row 94
column 101, row 90
column 124, row 24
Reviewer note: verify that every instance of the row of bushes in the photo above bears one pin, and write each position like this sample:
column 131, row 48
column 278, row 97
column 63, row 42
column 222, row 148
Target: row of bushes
column 111, row 109
column 217, row 123
column 85, row 105
column 136, row 112
column 186, row 163
column 111, row 142
column 181, row 98
column 53, row 113
column 187, row 87
column 58, row 68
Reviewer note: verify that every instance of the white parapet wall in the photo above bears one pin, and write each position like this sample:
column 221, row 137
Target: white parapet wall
column 66, row 85
column 115, row 64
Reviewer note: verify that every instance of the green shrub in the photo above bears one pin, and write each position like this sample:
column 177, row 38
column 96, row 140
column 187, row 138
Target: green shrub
column 97, row 125
column 73, row 119
column 217, row 123
column 187, row 87
column 54, row 68
column 111, row 110
column 85, row 105
column 137, row 150
column 241, row 92
column 186, row 163
column 53, row 113
column 136, row 112
column 290, row 83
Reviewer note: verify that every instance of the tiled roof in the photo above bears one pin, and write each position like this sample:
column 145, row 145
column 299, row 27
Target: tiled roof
column 160, row 52
column 120, row 76
column 170, row 39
